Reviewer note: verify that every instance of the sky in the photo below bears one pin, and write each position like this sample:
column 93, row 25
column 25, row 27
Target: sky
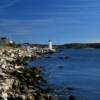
column 62, row 21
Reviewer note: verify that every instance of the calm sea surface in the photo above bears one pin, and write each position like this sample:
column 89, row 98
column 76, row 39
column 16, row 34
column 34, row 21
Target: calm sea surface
column 78, row 76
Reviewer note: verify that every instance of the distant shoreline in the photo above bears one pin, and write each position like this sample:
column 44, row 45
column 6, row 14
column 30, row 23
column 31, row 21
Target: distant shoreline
column 7, row 42
column 81, row 45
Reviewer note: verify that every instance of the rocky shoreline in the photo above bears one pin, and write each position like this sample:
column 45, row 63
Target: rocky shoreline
column 18, row 82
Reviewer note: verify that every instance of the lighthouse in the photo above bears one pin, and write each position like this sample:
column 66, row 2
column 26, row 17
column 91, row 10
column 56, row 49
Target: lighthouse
column 50, row 45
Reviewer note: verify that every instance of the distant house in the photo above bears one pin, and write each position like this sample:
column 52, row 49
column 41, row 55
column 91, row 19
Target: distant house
column 25, row 45
column 4, row 41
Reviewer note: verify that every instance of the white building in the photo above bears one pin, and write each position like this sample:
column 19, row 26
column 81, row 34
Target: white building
column 51, row 46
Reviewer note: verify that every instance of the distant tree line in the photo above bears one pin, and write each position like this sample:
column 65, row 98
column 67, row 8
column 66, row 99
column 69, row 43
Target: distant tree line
column 80, row 45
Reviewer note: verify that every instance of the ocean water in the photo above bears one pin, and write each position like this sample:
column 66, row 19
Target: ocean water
column 79, row 75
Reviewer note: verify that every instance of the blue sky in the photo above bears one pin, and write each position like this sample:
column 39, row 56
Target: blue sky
column 62, row 21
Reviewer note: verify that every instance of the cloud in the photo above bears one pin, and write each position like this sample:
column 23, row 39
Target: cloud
column 95, row 41
column 21, row 27
column 14, row 27
column 8, row 3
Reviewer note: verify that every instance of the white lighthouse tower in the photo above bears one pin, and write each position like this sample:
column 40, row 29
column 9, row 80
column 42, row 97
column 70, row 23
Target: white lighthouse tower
column 50, row 46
